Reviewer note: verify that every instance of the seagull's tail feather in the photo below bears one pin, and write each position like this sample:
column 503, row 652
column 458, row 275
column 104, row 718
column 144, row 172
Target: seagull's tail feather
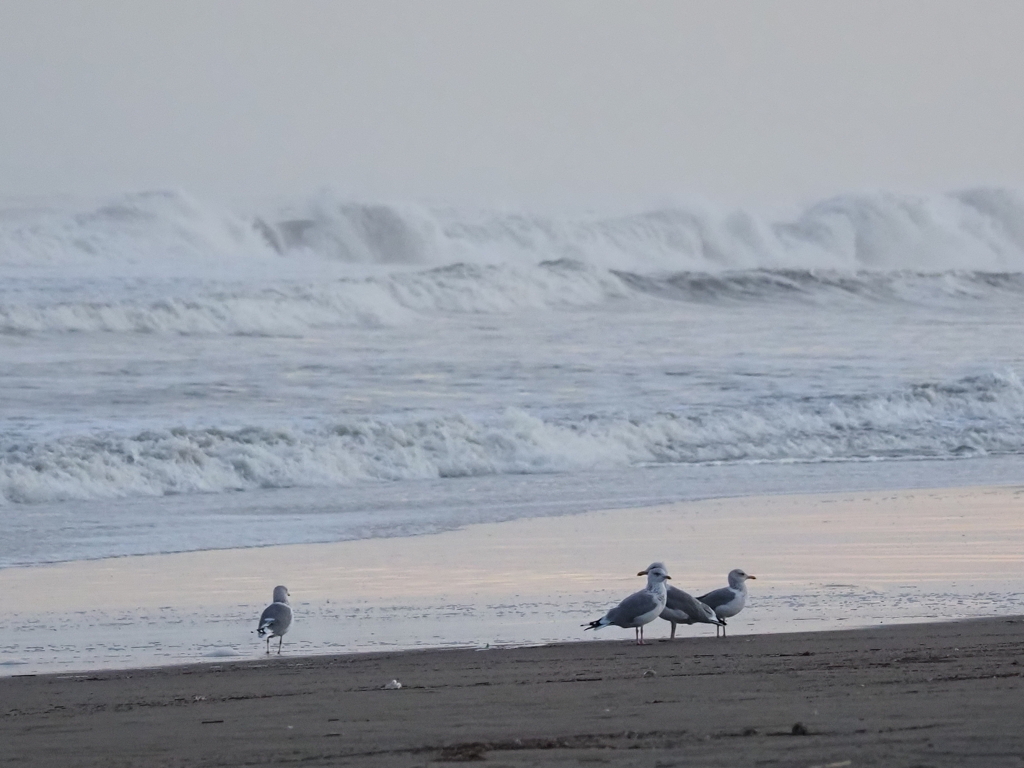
column 265, row 626
column 710, row 617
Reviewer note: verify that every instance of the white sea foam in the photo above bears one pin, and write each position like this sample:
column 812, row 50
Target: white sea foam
column 160, row 231
column 980, row 230
column 976, row 230
column 165, row 263
column 394, row 300
column 974, row 417
column 289, row 309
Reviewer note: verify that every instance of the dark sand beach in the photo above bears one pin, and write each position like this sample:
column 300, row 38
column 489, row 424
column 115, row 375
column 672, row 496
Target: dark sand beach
column 945, row 694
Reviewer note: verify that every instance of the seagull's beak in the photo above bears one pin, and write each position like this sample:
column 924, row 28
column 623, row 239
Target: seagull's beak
column 752, row 577
column 642, row 573
column 667, row 576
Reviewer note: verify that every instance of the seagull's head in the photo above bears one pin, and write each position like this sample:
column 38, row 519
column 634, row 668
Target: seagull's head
column 281, row 594
column 655, row 573
column 651, row 567
column 738, row 576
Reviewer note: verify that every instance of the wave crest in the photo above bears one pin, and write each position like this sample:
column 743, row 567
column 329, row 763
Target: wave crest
column 969, row 417
column 291, row 310
column 973, row 230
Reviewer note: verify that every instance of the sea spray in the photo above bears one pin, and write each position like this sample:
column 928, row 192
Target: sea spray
column 973, row 230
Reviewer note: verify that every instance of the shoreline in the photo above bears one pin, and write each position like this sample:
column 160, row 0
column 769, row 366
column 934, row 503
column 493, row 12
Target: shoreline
column 823, row 561
column 292, row 659
column 942, row 694
column 134, row 526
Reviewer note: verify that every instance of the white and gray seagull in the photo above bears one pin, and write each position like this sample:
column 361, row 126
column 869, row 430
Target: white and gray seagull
column 640, row 608
column 683, row 608
column 276, row 618
column 728, row 601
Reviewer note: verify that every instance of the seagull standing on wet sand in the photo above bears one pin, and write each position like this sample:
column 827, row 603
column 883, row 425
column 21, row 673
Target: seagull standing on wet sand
column 276, row 618
column 640, row 608
column 683, row 608
column 728, row 601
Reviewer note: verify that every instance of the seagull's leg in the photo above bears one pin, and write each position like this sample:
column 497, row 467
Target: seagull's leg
column 673, row 637
column 636, row 634
column 642, row 637
column 268, row 645
column 280, row 640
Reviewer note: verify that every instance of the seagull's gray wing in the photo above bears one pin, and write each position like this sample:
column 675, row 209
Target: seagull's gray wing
column 684, row 608
column 629, row 610
column 275, row 619
column 718, row 597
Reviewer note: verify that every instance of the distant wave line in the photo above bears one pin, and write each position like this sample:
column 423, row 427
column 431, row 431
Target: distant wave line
column 398, row 299
column 973, row 230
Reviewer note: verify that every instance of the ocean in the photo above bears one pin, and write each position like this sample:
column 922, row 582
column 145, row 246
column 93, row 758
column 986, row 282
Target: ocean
column 176, row 376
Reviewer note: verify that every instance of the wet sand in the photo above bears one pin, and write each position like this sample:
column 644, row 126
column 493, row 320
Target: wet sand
column 830, row 561
column 947, row 694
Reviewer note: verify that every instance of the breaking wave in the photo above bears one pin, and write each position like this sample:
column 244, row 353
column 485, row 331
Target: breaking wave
column 289, row 309
column 393, row 300
column 163, row 262
column 978, row 230
column 973, row 416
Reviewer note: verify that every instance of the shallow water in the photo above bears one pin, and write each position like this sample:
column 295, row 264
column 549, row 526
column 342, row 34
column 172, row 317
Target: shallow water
column 822, row 562
column 90, row 640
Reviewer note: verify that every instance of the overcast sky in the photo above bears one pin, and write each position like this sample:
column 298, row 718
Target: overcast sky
column 527, row 101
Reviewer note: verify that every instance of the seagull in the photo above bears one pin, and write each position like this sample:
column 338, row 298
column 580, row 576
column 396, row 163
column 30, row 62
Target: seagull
column 728, row 601
column 639, row 608
column 276, row 618
column 683, row 608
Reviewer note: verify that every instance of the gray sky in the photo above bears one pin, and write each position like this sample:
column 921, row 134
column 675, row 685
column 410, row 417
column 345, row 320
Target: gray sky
column 550, row 101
